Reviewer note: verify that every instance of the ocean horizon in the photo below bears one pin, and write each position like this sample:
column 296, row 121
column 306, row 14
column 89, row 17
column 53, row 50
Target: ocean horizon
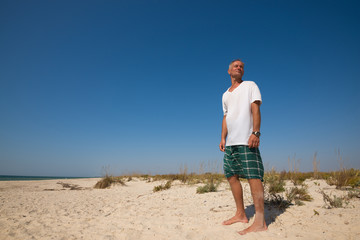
column 32, row 178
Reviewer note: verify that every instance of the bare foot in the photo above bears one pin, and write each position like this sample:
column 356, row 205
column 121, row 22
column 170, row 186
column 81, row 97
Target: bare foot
column 253, row 228
column 235, row 219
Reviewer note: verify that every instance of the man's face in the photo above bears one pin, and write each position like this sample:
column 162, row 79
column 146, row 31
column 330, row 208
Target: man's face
column 236, row 70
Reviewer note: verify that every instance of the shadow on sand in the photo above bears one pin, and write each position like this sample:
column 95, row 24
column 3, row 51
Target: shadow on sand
column 271, row 212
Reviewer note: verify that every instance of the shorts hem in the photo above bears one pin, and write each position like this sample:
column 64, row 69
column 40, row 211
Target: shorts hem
column 243, row 177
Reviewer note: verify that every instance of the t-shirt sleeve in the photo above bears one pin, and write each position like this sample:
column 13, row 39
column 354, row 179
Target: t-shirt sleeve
column 255, row 93
column 224, row 105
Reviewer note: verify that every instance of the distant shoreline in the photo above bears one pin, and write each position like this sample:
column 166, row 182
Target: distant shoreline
column 35, row 178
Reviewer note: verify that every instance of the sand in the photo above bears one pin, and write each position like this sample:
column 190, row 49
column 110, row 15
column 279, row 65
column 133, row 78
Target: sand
column 48, row 210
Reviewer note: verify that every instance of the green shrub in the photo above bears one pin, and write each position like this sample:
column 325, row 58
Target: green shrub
column 107, row 181
column 298, row 195
column 163, row 187
column 334, row 201
column 208, row 187
column 353, row 193
column 276, row 200
column 274, row 183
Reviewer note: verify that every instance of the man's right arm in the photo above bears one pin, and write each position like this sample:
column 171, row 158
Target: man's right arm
column 223, row 135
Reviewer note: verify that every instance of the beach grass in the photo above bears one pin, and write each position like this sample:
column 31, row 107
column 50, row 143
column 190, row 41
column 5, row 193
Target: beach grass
column 343, row 179
column 277, row 192
column 162, row 187
column 108, row 180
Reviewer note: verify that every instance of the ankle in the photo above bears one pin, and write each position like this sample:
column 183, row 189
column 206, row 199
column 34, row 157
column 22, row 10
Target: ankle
column 240, row 214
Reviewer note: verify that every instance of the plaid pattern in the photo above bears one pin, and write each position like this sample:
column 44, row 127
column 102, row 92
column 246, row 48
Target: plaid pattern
column 243, row 161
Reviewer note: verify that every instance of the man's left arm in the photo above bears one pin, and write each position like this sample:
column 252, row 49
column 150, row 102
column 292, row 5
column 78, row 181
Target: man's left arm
column 254, row 141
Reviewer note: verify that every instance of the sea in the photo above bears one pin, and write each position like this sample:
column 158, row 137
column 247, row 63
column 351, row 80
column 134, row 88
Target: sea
column 32, row 178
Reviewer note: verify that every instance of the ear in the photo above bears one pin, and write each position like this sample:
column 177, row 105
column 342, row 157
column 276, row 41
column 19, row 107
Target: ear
column 229, row 71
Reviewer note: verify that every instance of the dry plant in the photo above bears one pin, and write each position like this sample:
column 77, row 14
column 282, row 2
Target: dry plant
column 70, row 186
column 354, row 179
column 212, row 178
column 344, row 177
column 296, row 177
column 277, row 200
column 339, row 202
column 107, row 181
column 315, row 166
column 334, row 201
column 184, row 176
column 273, row 182
column 145, row 177
column 166, row 186
column 298, row 195
column 208, row 187
column 274, row 185
column 353, row 193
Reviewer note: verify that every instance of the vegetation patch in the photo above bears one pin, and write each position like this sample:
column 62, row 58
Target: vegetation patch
column 276, row 200
column 166, row 186
column 273, row 182
column 208, row 187
column 107, row 181
column 344, row 177
column 298, row 194
column 68, row 185
column 334, row 201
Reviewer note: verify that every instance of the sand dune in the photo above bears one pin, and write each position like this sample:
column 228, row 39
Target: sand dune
column 47, row 210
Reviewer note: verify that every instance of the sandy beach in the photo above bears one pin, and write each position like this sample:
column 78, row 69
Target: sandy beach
column 49, row 209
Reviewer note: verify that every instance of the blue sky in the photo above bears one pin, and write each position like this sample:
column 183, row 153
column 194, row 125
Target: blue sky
column 136, row 86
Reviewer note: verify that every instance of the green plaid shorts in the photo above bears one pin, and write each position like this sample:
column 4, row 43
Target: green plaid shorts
column 243, row 161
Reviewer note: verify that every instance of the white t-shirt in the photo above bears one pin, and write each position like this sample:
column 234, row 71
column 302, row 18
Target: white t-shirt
column 237, row 108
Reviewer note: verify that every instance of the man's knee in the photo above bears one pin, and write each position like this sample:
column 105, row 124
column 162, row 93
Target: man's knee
column 256, row 187
column 255, row 182
column 233, row 179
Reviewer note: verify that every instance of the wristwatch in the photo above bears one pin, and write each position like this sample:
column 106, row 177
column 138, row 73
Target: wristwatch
column 256, row 134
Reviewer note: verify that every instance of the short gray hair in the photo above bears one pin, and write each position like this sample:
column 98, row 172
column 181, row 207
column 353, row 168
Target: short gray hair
column 236, row 60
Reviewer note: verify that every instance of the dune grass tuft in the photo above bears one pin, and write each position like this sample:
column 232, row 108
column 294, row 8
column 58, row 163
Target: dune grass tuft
column 107, row 181
column 333, row 201
column 344, row 177
column 210, row 186
column 298, row 194
column 166, row 186
column 273, row 182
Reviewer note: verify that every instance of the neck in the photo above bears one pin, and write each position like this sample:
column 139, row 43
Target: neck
column 236, row 81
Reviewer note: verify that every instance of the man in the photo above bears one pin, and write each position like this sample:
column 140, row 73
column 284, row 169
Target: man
column 240, row 139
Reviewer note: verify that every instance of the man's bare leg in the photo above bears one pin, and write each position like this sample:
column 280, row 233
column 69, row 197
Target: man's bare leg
column 237, row 192
column 257, row 192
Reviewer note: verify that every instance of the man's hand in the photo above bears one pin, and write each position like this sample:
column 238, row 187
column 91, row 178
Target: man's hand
column 254, row 141
column 222, row 145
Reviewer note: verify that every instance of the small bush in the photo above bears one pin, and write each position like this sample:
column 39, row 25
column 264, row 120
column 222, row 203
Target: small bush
column 70, row 186
column 163, row 187
column 344, row 177
column 299, row 203
column 353, row 193
column 334, row 202
column 298, row 178
column 208, row 187
column 276, row 200
column 107, row 181
column 145, row 177
column 298, row 195
column 274, row 183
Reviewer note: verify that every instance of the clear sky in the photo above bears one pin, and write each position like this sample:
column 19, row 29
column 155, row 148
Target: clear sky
column 136, row 86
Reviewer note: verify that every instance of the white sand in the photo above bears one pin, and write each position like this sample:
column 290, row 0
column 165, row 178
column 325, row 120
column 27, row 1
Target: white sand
column 28, row 211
